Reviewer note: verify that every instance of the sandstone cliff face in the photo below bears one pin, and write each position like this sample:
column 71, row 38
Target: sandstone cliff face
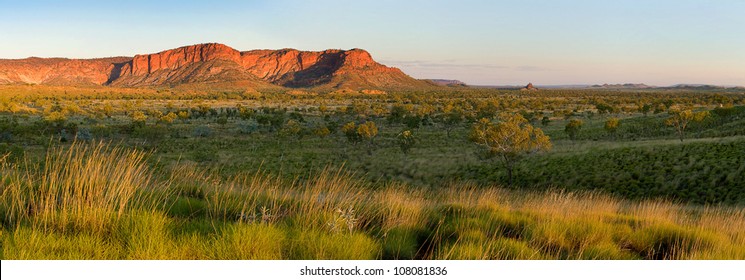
column 175, row 58
column 213, row 62
column 57, row 71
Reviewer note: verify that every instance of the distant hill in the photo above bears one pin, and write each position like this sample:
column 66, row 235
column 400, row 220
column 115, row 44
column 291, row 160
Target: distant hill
column 695, row 86
column 610, row 86
column 444, row 82
column 214, row 63
column 623, row 86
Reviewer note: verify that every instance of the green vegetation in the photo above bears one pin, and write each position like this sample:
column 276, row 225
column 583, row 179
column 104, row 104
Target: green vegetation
column 709, row 171
column 509, row 140
column 573, row 127
column 680, row 119
column 344, row 175
column 611, row 125
column 55, row 212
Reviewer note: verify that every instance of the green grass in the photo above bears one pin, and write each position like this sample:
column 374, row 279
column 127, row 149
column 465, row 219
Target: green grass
column 246, row 191
column 698, row 172
column 435, row 161
column 333, row 216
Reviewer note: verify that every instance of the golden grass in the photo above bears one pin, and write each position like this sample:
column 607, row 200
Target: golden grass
column 88, row 196
column 79, row 187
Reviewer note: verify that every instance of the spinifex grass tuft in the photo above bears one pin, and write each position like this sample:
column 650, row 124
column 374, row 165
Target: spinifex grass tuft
column 80, row 187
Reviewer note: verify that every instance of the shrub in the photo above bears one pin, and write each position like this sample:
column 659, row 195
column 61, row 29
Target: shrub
column 367, row 131
column 573, row 127
column 611, row 125
column 321, row 131
column 138, row 118
column 84, row 134
column 202, row 131
column 350, row 131
column 406, row 141
column 248, row 127
column 168, row 118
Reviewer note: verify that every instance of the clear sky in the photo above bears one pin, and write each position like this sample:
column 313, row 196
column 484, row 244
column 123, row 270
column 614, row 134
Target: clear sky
column 658, row 42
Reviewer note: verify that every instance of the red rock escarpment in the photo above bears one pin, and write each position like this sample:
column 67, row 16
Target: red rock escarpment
column 213, row 63
column 59, row 71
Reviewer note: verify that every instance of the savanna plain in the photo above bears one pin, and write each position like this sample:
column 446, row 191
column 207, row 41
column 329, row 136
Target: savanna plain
column 441, row 173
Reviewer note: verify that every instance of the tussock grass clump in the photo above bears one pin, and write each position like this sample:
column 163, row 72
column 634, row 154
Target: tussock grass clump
column 317, row 244
column 248, row 242
column 146, row 236
column 83, row 187
column 27, row 243
column 668, row 241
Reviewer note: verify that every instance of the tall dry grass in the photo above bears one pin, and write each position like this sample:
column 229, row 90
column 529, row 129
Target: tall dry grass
column 88, row 196
column 80, row 187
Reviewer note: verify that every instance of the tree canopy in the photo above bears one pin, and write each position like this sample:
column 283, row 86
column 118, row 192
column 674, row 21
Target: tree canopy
column 509, row 139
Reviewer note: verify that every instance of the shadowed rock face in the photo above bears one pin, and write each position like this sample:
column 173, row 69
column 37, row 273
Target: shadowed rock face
column 212, row 62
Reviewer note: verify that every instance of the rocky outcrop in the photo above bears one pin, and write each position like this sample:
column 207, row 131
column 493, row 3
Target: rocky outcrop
column 175, row 58
column 529, row 87
column 58, row 71
column 450, row 83
column 206, row 63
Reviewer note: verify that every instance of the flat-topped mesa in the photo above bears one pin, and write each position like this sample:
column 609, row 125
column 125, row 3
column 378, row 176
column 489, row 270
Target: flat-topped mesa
column 175, row 58
column 215, row 63
column 265, row 64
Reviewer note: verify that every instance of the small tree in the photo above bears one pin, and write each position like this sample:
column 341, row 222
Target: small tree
column 680, row 119
column 412, row 121
column 573, row 127
column 510, row 139
column 611, row 125
column 397, row 114
column 56, row 118
column 321, row 131
column 350, row 131
column 290, row 128
column 368, row 131
column 168, row 118
column 451, row 120
column 183, row 115
column 644, row 108
column 139, row 118
column 406, row 141
column 604, row 108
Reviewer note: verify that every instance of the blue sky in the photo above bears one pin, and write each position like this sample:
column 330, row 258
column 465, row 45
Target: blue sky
column 658, row 42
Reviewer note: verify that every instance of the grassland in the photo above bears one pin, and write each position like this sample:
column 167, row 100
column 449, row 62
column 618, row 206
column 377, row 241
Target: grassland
column 93, row 201
column 88, row 174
